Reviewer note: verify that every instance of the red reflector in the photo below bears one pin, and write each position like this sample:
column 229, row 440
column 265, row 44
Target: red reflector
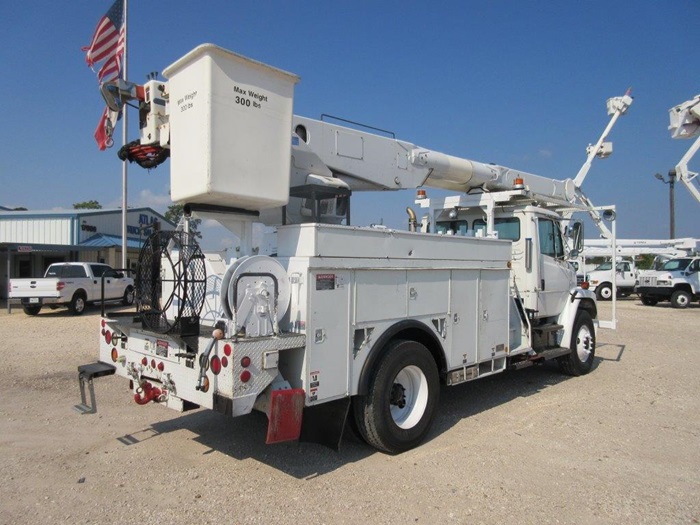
column 144, row 361
column 161, row 366
column 153, row 363
column 215, row 365
column 245, row 376
column 103, row 331
column 245, row 362
column 224, row 362
column 585, row 285
column 227, row 349
column 108, row 336
column 104, row 323
column 115, row 355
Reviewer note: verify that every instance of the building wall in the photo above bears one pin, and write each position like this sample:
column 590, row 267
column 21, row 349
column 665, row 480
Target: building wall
column 36, row 230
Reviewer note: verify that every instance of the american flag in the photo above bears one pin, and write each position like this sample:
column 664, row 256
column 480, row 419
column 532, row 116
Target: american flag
column 107, row 51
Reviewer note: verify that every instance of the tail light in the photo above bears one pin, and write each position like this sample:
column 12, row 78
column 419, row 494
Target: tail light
column 60, row 285
column 585, row 285
column 215, row 365
column 245, row 376
column 115, row 355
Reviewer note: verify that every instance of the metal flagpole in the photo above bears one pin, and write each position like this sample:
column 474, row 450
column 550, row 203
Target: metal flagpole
column 124, row 139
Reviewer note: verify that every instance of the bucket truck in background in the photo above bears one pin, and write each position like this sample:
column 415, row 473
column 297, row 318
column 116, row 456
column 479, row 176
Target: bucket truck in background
column 342, row 322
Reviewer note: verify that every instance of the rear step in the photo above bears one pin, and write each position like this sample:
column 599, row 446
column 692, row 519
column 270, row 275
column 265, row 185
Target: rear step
column 540, row 357
column 86, row 373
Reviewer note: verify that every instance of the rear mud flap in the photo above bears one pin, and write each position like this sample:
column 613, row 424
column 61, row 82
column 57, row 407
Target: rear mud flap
column 324, row 424
column 285, row 415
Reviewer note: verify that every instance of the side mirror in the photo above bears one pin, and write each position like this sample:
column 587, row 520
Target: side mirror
column 577, row 238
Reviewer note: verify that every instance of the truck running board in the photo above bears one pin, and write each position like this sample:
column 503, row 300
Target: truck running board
column 86, row 373
column 540, row 357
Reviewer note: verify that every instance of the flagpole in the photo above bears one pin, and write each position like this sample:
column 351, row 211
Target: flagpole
column 124, row 141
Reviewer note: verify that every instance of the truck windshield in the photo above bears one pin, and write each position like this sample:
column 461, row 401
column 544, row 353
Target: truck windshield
column 604, row 266
column 676, row 264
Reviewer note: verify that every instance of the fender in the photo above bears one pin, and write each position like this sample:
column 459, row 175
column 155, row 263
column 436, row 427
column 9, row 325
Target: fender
column 412, row 329
column 578, row 299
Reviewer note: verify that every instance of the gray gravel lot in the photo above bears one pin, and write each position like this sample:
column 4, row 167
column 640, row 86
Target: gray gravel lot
column 620, row 445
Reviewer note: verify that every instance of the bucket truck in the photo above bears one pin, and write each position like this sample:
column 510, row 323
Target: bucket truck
column 342, row 322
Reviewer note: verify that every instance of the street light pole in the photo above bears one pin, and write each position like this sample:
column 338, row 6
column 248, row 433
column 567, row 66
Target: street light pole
column 671, row 199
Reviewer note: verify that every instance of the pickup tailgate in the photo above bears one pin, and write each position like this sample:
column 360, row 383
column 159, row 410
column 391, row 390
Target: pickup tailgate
column 27, row 288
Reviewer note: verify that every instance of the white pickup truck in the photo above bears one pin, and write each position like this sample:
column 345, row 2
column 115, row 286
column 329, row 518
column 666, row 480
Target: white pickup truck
column 73, row 285
column 600, row 279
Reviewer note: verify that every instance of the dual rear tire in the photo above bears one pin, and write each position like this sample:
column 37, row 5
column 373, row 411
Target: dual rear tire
column 398, row 410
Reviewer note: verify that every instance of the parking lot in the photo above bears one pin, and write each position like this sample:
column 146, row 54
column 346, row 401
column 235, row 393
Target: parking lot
column 619, row 445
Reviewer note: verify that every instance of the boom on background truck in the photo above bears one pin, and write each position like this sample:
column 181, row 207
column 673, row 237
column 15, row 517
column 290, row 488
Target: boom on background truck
column 340, row 321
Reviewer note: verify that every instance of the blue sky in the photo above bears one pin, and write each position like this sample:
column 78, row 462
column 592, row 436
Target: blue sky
column 521, row 84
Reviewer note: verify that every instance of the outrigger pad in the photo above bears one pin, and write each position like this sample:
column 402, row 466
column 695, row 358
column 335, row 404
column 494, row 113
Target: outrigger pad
column 285, row 416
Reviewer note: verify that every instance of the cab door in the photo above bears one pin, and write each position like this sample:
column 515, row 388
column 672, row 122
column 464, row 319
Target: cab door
column 554, row 283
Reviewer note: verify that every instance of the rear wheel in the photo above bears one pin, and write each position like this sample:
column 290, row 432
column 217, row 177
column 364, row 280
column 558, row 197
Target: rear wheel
column 680, row 299
column 580, row 360
column 77, row 304
column 648, row 301
column 31, row 310
column 398, row 410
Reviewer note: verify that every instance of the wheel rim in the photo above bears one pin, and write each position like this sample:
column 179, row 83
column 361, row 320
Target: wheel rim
column 130, row 296
column 79, row 304
column 584, row 343
column 606, row 292
column 409, row 397
column 682, row 300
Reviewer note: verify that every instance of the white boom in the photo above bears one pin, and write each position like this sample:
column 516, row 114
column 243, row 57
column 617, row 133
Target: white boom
column 685, row 124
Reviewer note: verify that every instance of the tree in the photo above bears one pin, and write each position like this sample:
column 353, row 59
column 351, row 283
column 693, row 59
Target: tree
column 175, row 213
column 87, row 205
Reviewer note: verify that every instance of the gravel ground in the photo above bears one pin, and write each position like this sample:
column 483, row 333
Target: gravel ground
column 619, row 445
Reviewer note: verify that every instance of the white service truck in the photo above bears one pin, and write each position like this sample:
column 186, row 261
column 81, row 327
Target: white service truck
column 341, row 322
column 72, row 285
column 600, row 279
column 678, row 281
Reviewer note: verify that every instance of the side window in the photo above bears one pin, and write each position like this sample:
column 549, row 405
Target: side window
column 75, row 271
column 694, row 266
column 551, row 243
column 54, row 271
column 456, row 227
column 97, row 270
column 508, row 229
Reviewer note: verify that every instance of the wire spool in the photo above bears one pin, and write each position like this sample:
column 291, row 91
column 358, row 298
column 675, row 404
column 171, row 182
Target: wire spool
column 171, row 283
column 255, row 293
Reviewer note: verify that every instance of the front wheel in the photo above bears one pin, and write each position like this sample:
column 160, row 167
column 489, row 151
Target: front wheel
column 128, row 298
column 680, row 299
column 580, row 360
column 604, row 292
column 649, row 301
column 399, row 408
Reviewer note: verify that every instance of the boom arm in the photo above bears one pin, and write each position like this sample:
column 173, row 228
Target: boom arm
column 685, row 124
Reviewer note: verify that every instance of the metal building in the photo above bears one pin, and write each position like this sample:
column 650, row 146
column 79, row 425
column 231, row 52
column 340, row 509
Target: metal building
column 31, row 240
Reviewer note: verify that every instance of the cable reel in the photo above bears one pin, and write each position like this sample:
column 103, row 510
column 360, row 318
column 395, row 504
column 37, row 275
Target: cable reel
column 171, row 283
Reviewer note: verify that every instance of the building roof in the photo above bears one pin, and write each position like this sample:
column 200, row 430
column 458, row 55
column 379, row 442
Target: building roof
column 102, row 240
column 5, row 213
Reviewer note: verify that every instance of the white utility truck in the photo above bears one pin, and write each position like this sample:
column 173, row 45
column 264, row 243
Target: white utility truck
column 678, row 281
column 342, row 321
column 72, row 285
